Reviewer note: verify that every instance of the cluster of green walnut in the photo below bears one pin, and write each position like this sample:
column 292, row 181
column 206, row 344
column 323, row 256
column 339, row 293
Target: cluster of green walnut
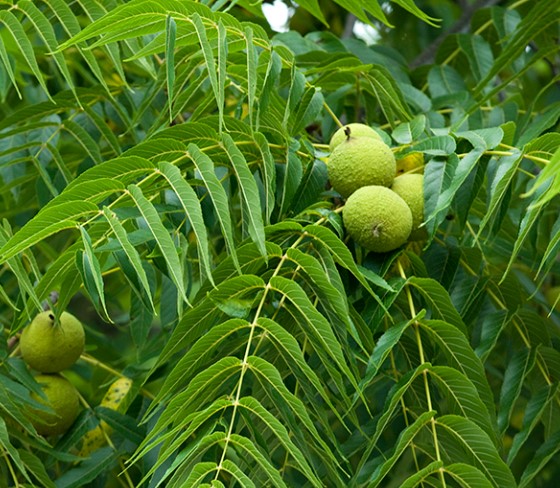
column 50, row 346
column 382, row 211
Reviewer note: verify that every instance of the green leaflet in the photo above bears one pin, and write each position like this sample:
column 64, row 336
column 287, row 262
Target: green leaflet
column 191, row 206
column 139, row 18
column 197, row 320
column 19, row 271
column 252, row 218
column 84, row 139
column 36, row 468
column 463, row 398
column 339, row 252
column 329, row 297
column 170, row 35
column 162, row 237
column 132, row 254
column 71, row 25
column 392, row 402
column 252, row 78
column 14, row 27
column 317, row 329
column 462, row 171
column 408, row 132
column 203, row 387
column 478, row 52
column 205, row 167
column 247, row 448
column 514, row 376
column 92, row 191
column 269, row 420
column 406, row 437
column 438, row 300
column 88, row 266
column 383, row 348
column 11, row 450
column 175, row 437
column 199, row 473
column 478, row 448
column 125, row 169
column 417, row 478
column 47, row 33
column 289, row 349
column 45, row 223
column 268, row 172
column 217, row 80
column 530, row 27
column 543, row 455
column 199, row 354
column 467, row 475
column 291, row 406
column 104, row 128
column 501, row 182
column 533, row 416
column 381, row 84
column 88, row 470
column 460, row 355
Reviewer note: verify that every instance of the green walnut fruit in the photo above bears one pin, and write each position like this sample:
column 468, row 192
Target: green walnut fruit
column 361, row 161
column 49, row 346
column 377, row 218
column 354, row 129
column 410, row 188
column 63, row 398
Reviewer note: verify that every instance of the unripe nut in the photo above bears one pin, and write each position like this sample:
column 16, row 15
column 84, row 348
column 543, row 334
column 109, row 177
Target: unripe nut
column 50, row 347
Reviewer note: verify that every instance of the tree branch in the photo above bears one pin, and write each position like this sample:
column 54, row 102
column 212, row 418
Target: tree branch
column 461, row 25
column 349, row 26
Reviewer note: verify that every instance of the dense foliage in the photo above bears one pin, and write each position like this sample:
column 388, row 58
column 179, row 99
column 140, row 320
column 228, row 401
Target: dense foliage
column 164, row 178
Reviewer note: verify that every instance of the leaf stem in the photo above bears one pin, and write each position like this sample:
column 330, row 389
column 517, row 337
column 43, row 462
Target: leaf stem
column 95, row 362
column 424, row 372
column 332, row 114
column 244, row 362
column 10, row 468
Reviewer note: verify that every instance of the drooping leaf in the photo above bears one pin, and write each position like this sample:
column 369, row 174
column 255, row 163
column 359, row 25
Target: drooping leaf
column 90, row 269
column 130, row 251
column 219, row 198
column 214, row 73
column 162, row 237
column 463, row 398
column 170, row 35
column 252, row 217
column 405, row 439
column 382, row 349
column 517, row 369
column 46, row 223
column 547, row 451
column 191, row 206
column 87, row 470
column 198, row 319
column 16, row 30
column 460, row 355
column 439, row 301
column 533, row 415
column 478, row 449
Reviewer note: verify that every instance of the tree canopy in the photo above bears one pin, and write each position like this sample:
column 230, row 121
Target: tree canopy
column 164, row 169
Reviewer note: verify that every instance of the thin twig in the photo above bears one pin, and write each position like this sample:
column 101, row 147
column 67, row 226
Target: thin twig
column 462, row 24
